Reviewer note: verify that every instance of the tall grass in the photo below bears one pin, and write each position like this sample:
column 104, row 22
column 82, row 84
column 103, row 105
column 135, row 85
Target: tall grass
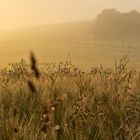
column 61, row 102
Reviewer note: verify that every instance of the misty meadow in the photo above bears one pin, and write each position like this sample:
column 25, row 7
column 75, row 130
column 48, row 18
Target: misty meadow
column 67, row 74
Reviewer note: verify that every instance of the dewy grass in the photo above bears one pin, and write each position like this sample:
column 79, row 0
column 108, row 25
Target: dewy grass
column 62, row 102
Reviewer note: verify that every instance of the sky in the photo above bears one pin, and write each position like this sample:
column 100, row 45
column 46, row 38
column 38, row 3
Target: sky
column 23, row 13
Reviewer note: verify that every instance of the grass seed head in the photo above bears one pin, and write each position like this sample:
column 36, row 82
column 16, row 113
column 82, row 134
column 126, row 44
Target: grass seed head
column 34, row 65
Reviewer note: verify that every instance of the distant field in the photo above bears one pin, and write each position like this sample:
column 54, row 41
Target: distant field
column 84, row 54
column 52, row 43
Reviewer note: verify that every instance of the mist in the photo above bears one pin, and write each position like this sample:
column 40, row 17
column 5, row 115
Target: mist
column 18, row 14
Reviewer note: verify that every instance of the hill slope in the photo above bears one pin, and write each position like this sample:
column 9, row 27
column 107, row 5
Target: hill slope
column 55, row 32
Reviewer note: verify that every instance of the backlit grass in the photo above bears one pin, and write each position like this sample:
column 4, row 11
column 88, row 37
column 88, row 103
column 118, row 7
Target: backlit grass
column 61, row 102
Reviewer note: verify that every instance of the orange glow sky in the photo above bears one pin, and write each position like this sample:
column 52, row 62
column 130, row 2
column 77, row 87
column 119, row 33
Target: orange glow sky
column 21, row 13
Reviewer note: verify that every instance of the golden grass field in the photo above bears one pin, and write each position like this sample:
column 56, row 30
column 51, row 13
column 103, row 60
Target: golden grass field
column 69, row 70
column 58, row 101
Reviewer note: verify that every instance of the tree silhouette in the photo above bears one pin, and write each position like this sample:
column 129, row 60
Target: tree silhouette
column 111, row 24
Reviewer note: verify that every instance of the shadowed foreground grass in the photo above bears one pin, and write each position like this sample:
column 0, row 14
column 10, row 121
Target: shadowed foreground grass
column 61, row 102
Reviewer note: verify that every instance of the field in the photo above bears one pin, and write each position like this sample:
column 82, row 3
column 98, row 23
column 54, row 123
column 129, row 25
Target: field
column 69, row 70
column 58, row 101
column 76, row 88
column 84, row 54
column 53, row 43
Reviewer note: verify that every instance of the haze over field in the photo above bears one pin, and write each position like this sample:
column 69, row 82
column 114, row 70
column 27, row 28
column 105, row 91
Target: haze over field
column 83, row 29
